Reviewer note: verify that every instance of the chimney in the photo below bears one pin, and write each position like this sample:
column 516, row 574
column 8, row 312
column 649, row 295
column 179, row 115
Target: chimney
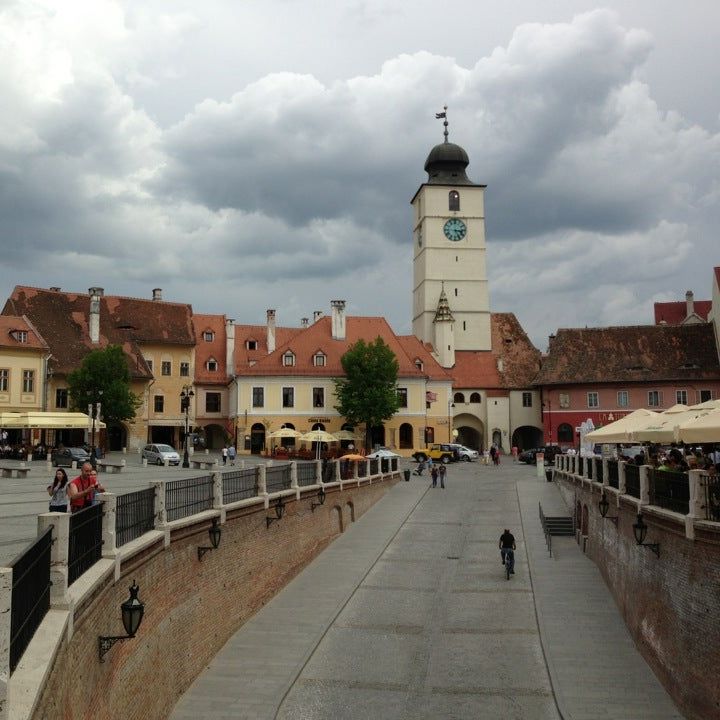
column 94, row 319
column 271, row 331
column 338, row 319
column 55, row 289
column 230, row 347
column 157, row 293
column 304, row 322
column 689, row 303
column 317, row 315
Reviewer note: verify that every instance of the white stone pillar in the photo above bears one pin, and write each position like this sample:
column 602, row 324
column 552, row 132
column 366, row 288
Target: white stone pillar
column 217, row 489
column 59, row 554
column 622, row 485
column 605, row 481
column 160, row 509
column 293, row 475
column 109, row 501
column 318, row 472
column 5, row 614
column 644, row 485
column 262, row 485
column 696, row 478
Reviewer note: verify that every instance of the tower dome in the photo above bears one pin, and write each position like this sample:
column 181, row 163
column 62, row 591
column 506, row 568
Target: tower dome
column 446, row 163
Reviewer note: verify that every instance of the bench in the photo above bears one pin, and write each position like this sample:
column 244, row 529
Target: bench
column 203, row 464
column 12, row 471
column 111, row 467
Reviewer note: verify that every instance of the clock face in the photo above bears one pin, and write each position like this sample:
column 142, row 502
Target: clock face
column 455, row 229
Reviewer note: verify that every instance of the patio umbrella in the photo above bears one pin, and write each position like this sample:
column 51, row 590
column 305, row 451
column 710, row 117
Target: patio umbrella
column 353, row 457
column 703, row 429
column 707, row 405
column 285, row 433
column 619, row 431
column 663, row 429
column 345, row 435
column 318, row 436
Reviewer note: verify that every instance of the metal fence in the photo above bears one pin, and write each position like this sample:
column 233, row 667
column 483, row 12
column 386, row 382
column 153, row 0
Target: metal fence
column 590, row 467
column 580, row 463
column 362, row 469
column 374, row 466
column 670, row 490
column 85, row 542
column 711, row 485
column 329, row 473
column 240, row 484
column 598, row 471
column 134, row 515
column 632, row 480
column 30, row 598
column 277, row 478
column 306, row 473
column 613, row 478
column 189, row 496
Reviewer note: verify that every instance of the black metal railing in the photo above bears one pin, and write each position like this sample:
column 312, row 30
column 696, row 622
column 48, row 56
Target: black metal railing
column 330, row 472
column 188, row 496
column 590, row 467
column 393, row 464
column 632, row 480
column 711, row 485
column 670, row 490
column 385, row 465
column 277, row 478
column 306, row 473
column 613, row 478
column 362, row 469
column 134, row 515
column 240, row 484
column 598, row 470
column 85, row 541
column 374, row 466
column 580, row 463
column 30, row 595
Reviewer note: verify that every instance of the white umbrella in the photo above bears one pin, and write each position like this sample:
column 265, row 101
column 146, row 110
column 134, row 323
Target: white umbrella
column 285, row 433
column 318, row 436
column 620, row 430
column 702, row 429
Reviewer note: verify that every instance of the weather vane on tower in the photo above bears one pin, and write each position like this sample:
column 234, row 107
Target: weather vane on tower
column 443, row 116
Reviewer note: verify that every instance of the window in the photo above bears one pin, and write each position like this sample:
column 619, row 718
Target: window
column 459, row 398
column 212, row 402
column 706, row 395
column 527, row 399
column 61, row 398
column 453, row 200
column 622, row 398
column 288, row 359
column 166, row 367
column 319, row 360
column 681, row 397
column 318, row 397
column 402, row 397
column 20, row 335
column 211, row 365
column 565, row 433
column 208, row 336
column 28, row 381
column 159, row 403
column 258, row 397
column 184, row 369
column 564, row 400
column 654, row 398
column 4, row 380
column 251, row 344
column 288, row 395
column 593, row 400
column 475, row 397
column 419, row 364
column 149, row 364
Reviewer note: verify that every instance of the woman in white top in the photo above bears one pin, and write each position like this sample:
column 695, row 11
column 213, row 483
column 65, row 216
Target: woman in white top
column 59, row 500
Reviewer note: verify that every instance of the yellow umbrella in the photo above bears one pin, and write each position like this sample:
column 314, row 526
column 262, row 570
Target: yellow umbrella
column 353, row 457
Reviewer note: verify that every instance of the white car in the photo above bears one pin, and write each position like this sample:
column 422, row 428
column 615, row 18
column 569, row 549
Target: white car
column 382, row 453
column 157, row 454
column 465, row 453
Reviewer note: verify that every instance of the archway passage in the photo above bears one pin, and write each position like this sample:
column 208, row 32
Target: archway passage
column 566, row 434
column 406, row 436
column 214, row 436
column 257, row 438
column 117, row 436
column 526, row 437
column 377, row 436
column 470, row 431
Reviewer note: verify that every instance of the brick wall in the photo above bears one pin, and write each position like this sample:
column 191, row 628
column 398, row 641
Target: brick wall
column 670, row 604
column 191, row 607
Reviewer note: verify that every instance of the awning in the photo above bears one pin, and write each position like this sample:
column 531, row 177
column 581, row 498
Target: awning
column 47, row 421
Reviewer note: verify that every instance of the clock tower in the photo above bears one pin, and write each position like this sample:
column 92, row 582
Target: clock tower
column 449, row 250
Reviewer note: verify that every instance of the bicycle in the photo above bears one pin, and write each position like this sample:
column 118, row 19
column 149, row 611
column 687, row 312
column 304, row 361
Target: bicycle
column 508, row 561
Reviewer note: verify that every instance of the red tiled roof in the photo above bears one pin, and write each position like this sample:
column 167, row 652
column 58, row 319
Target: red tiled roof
column 244, row 357
column 9, row 323
column 214, row 350
column 673, row 313
column 62, row 320
column 475, row 369
column 644, row 353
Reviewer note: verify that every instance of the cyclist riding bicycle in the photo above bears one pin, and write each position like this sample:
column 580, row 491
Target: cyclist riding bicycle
column 507, row 548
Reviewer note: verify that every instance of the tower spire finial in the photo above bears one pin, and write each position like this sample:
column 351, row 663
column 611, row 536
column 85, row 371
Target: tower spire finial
column 443, row 116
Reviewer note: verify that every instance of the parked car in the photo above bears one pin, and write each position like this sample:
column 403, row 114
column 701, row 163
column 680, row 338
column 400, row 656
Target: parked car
column 65, row 457
column 529, row 456
column 382, row 453
column 465, row 454
column 441, row 452
column 158, row 453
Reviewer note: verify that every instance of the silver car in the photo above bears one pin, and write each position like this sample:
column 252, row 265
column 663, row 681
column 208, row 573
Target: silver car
column 465, row 453
column 157, row 454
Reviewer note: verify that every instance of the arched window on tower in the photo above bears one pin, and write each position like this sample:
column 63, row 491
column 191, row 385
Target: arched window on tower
column 454, row 200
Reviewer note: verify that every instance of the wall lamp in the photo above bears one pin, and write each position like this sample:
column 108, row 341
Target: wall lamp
column 214, row 532
column 604, row 506
column 132, row 611
column 279, row 512
column 640, row 529
column 321, row 499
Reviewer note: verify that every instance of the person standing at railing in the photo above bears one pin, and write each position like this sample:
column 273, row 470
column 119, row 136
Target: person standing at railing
column 58, row 492
column 82, row 489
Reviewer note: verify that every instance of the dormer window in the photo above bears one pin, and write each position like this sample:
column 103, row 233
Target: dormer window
column 319, row 359
column 288, row 359
column 208, row 336
column 453, row 200
column 419, row 364
column 251, row 344
column 20, row 336
column 212, row 365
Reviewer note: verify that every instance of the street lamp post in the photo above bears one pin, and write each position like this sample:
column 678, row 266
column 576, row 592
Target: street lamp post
column 94, row 411
column 185, row 395
column 451, row 405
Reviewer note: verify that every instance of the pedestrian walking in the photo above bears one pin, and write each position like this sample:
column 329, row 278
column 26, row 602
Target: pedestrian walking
column 443, row 475
column 225, row 454
column 231, row 453
column 515, row 453
column 434, row 475
column 420, row 468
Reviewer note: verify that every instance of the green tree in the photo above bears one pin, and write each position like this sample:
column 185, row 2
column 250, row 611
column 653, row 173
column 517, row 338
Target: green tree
column 368, row 392
column 104, row 377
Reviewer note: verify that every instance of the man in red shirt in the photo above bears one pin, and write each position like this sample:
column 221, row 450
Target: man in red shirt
column 82, row 489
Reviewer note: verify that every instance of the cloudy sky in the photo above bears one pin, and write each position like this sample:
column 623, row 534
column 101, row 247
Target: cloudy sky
column 262, row 153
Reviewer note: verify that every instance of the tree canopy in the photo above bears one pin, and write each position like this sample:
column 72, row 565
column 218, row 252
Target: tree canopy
column 104, row 377
column 368, row 392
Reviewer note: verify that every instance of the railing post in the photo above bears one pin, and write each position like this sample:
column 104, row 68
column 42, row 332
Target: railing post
column 160, row 510
column 586, row 468
column 59, row 554
column 5, row 615
column 622, row 484
column 109, row 501
column 318, row 472
column 644, row 485
column 355, row 469
column 696, row 479
column 605, row 468
column 293, row 475
column 262, row 484
column 218, row 491
column 337, row 470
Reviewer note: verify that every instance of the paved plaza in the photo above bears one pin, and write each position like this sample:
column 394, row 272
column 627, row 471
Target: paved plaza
column 408, row 615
